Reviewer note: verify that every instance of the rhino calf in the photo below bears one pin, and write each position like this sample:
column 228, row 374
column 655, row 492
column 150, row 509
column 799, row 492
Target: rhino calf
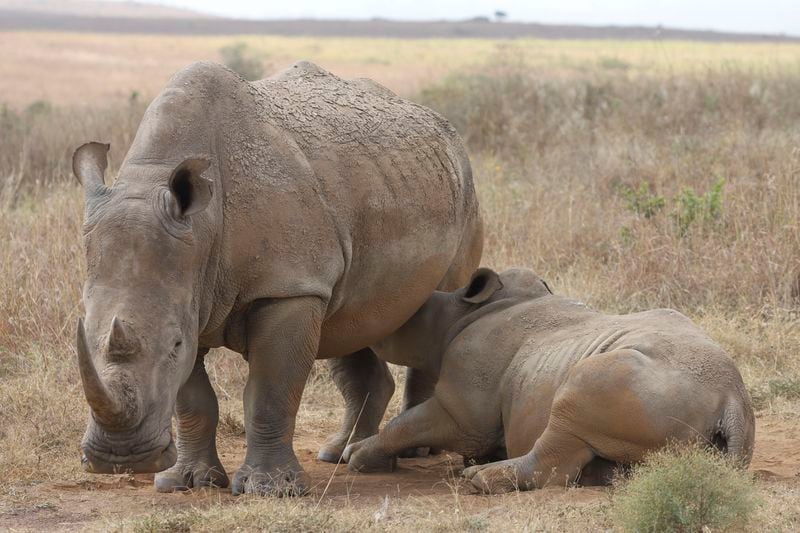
column 559, row 388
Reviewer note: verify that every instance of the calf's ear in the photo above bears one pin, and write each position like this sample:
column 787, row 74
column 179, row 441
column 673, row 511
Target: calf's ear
column 484, row 283
column 191, row 191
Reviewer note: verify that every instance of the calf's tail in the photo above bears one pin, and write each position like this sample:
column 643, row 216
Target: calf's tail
column 736, row 431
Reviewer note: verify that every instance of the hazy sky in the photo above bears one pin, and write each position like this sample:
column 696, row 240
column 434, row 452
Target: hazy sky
column 758, row 16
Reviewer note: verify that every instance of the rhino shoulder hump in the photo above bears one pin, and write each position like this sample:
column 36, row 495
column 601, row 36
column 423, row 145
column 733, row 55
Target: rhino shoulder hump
column 302, row 69
column 205, row 75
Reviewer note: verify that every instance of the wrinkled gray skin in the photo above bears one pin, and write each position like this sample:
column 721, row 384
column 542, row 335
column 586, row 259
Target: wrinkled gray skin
column 563, row 391
column 294, row 218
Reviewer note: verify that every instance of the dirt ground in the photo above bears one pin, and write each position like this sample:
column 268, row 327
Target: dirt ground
column 66, row 504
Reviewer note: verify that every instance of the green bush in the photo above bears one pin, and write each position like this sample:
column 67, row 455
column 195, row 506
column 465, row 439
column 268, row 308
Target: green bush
column 613, row 63
column 641, row 200
column 691, row 208
column 239, row 58
column 684, row 489
column 688, row 209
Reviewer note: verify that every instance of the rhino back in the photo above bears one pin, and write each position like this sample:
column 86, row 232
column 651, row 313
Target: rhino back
column 365, row 143
column 569, row 332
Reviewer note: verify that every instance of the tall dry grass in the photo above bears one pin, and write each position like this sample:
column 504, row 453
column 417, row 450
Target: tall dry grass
column 556, row 160
column 37, row 141
column 557, row 157
column 606, row 186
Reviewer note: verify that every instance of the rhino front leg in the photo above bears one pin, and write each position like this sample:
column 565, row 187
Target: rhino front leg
column 367, row 387
column 427, row 424
column 197, row 412
column 282, row 342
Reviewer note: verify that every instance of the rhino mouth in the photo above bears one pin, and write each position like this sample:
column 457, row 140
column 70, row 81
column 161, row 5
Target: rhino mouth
column 104, row 460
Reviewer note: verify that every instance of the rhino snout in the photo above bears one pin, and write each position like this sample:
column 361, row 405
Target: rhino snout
column 104, row 456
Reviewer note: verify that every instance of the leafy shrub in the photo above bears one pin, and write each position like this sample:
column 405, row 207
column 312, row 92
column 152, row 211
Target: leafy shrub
column 239, row 58
column 38, row 107
column 613, row 63
column 684, row 489
column 691, row 207
column 641, row 200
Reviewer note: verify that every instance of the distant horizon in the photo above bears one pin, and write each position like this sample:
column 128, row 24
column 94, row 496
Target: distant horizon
column 775, row 17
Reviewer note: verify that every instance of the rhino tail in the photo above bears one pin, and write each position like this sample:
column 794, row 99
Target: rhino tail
column 735, row 433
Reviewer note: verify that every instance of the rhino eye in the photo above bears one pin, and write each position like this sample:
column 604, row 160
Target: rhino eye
column 173, row 354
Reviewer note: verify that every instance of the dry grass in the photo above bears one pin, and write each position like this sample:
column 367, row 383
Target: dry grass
column 557, row 133
column 502, row 513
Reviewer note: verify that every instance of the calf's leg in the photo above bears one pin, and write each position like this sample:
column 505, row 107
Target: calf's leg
column 366, row 386
column 556, row 459
column 426, row 424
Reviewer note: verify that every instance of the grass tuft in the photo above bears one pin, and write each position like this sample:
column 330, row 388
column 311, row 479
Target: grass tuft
column 684, row 489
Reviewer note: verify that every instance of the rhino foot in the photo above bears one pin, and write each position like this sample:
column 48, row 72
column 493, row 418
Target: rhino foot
column 289, row 480
column 182, row 477
column 367, row 456
column 499, row 477
column 333, row 450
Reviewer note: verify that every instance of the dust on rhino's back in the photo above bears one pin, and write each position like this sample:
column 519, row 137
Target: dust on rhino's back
column 322, row 109
column 370, row 160
column 359, row 136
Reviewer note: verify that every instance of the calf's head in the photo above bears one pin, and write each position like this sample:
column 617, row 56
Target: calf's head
column 138, row 342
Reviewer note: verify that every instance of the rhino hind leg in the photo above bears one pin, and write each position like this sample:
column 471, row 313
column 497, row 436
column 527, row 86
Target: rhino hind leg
column 557, row 458
column 198, row 464
column 367, row 387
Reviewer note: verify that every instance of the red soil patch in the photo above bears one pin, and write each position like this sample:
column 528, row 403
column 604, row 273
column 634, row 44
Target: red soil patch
column 65, row 505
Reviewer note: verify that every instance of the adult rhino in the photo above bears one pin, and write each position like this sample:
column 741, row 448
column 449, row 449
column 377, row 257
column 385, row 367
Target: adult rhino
column 294, row 218
column 562, row 390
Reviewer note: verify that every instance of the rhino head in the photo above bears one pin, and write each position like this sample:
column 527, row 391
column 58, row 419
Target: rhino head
column 138, row 342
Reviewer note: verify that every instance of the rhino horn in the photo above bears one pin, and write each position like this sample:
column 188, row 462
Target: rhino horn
column 120, row 339
column 89, row 163
column 103, row 404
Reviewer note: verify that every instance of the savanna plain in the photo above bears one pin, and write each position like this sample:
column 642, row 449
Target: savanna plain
column 629, row 175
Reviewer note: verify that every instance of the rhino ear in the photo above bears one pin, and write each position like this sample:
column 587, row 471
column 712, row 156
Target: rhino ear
column 89, row 164
column 484, row 283
column 191, row 191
